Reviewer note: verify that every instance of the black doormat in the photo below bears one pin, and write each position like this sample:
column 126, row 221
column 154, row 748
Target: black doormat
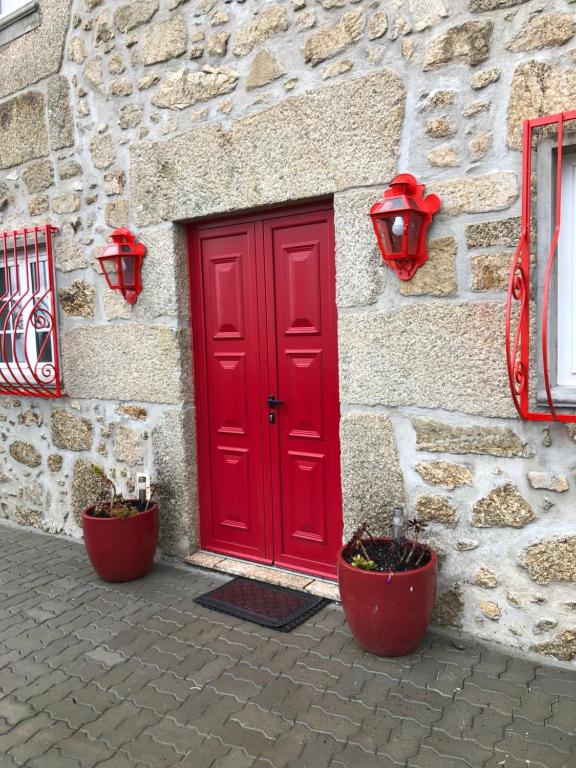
column 265, row 604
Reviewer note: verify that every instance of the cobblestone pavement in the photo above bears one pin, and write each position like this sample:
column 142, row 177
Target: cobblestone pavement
column 137, row 675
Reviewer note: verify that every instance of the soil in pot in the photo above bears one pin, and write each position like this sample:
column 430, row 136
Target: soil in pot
column 389, row 557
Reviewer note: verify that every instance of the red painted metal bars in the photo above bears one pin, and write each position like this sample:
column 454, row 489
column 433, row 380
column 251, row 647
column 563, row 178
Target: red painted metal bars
column 29, row 364
column 517, row 334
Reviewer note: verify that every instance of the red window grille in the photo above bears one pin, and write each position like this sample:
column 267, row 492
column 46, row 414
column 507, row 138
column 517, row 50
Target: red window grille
column 29, row 363
column 521, row 349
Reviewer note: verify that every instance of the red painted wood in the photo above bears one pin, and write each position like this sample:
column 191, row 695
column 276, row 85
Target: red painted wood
column 301, row 313
column 228, row 380
column 263, row 291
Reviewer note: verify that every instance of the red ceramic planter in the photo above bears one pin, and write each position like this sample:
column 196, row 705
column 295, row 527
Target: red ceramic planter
column 121, row 550
column 388, row 616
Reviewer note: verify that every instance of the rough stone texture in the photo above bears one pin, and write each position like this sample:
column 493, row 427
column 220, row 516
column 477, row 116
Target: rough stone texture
column 490, row 271
column 165, row 40
column 360, row 273
column 436, row 436
column 127, row 446
column 549, row 482
column 503, row 507
column 437, row 277
column 269, row 22
column 538, row 88
column 23, row 133
column 468, row 43
column 372, row 482
column 117, row 352
column 562, row 647
column 426, row 13
column 492, row 5
column 69, row 256
column 485, row 78
column 445, row 473
column 490, row 609
column 486, row 579
column 128, row 17
column 251, row 160
column 60, row 119
column 444, row 156
column 263, row 69
column 436, row 509
column 87, row 485
column 377, row 25
column 386, row 359
column 490, row 233
column 449, row 608
column 55, row 462
column 479, row 145
column 137, row 412
column 551, row 560
column 37, row 54
column 440, row 127
column 183, row 88
column 476, row 194
column 172, row 441
column 38, row 176
column 544, row 30
column 330, row 42
column 25, row 453
column 78, row 299
column 73, row 433
column 103, row 151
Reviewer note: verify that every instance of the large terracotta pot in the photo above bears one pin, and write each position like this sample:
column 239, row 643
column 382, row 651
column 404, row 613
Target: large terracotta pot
column 388, row 616
column 121, row 550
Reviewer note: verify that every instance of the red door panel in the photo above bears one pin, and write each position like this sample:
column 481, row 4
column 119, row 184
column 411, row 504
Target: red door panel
column 302, row 329
column 234, row 511
column 263, row 291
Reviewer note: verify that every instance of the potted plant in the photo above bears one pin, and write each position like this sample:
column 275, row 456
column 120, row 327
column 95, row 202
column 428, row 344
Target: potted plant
column 388, row 588
column 121, row 534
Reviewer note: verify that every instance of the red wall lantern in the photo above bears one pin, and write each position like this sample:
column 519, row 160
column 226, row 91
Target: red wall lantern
column 401, row 222
column 121, row 264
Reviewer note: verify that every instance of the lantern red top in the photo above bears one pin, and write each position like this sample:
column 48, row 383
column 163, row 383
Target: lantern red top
column 121, row 264
column 401, row 222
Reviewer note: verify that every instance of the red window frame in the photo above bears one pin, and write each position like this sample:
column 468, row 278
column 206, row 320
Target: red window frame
column 517, row 333
column 29, row 353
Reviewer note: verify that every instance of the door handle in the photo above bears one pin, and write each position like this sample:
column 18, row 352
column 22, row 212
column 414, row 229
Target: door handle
column 273, row 403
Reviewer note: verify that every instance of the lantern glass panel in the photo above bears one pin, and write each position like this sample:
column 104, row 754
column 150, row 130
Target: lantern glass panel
column 128, row 271
column 392, row 233
column 110, row 266
column 414, row 232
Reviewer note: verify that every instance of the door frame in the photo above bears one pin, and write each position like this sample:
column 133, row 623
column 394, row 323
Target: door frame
column 198, row 335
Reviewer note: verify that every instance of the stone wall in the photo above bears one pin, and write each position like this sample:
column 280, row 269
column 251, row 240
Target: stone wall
column 166, row 110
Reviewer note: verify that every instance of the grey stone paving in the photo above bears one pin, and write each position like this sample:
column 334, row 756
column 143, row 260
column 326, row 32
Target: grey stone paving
column 138, row 676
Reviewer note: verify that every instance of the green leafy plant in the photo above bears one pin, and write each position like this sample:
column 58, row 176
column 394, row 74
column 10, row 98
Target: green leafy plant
column 359, row 561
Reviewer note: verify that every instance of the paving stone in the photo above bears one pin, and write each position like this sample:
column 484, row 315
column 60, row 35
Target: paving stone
column 354, row 757
column 146, row 678
column 539, row 754
column 563, row 715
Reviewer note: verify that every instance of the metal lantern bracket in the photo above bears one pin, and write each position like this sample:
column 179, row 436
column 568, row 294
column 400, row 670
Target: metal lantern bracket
column 121, row 264
column 517, row 333
column 401, row 221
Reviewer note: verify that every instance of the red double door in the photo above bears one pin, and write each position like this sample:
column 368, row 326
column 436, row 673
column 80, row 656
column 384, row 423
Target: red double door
column 266, row 376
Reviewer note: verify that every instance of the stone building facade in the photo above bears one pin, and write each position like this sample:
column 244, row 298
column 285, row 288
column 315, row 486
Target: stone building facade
column 152, row 113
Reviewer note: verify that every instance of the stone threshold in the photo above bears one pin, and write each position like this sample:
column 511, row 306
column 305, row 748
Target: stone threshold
column 267, row 573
